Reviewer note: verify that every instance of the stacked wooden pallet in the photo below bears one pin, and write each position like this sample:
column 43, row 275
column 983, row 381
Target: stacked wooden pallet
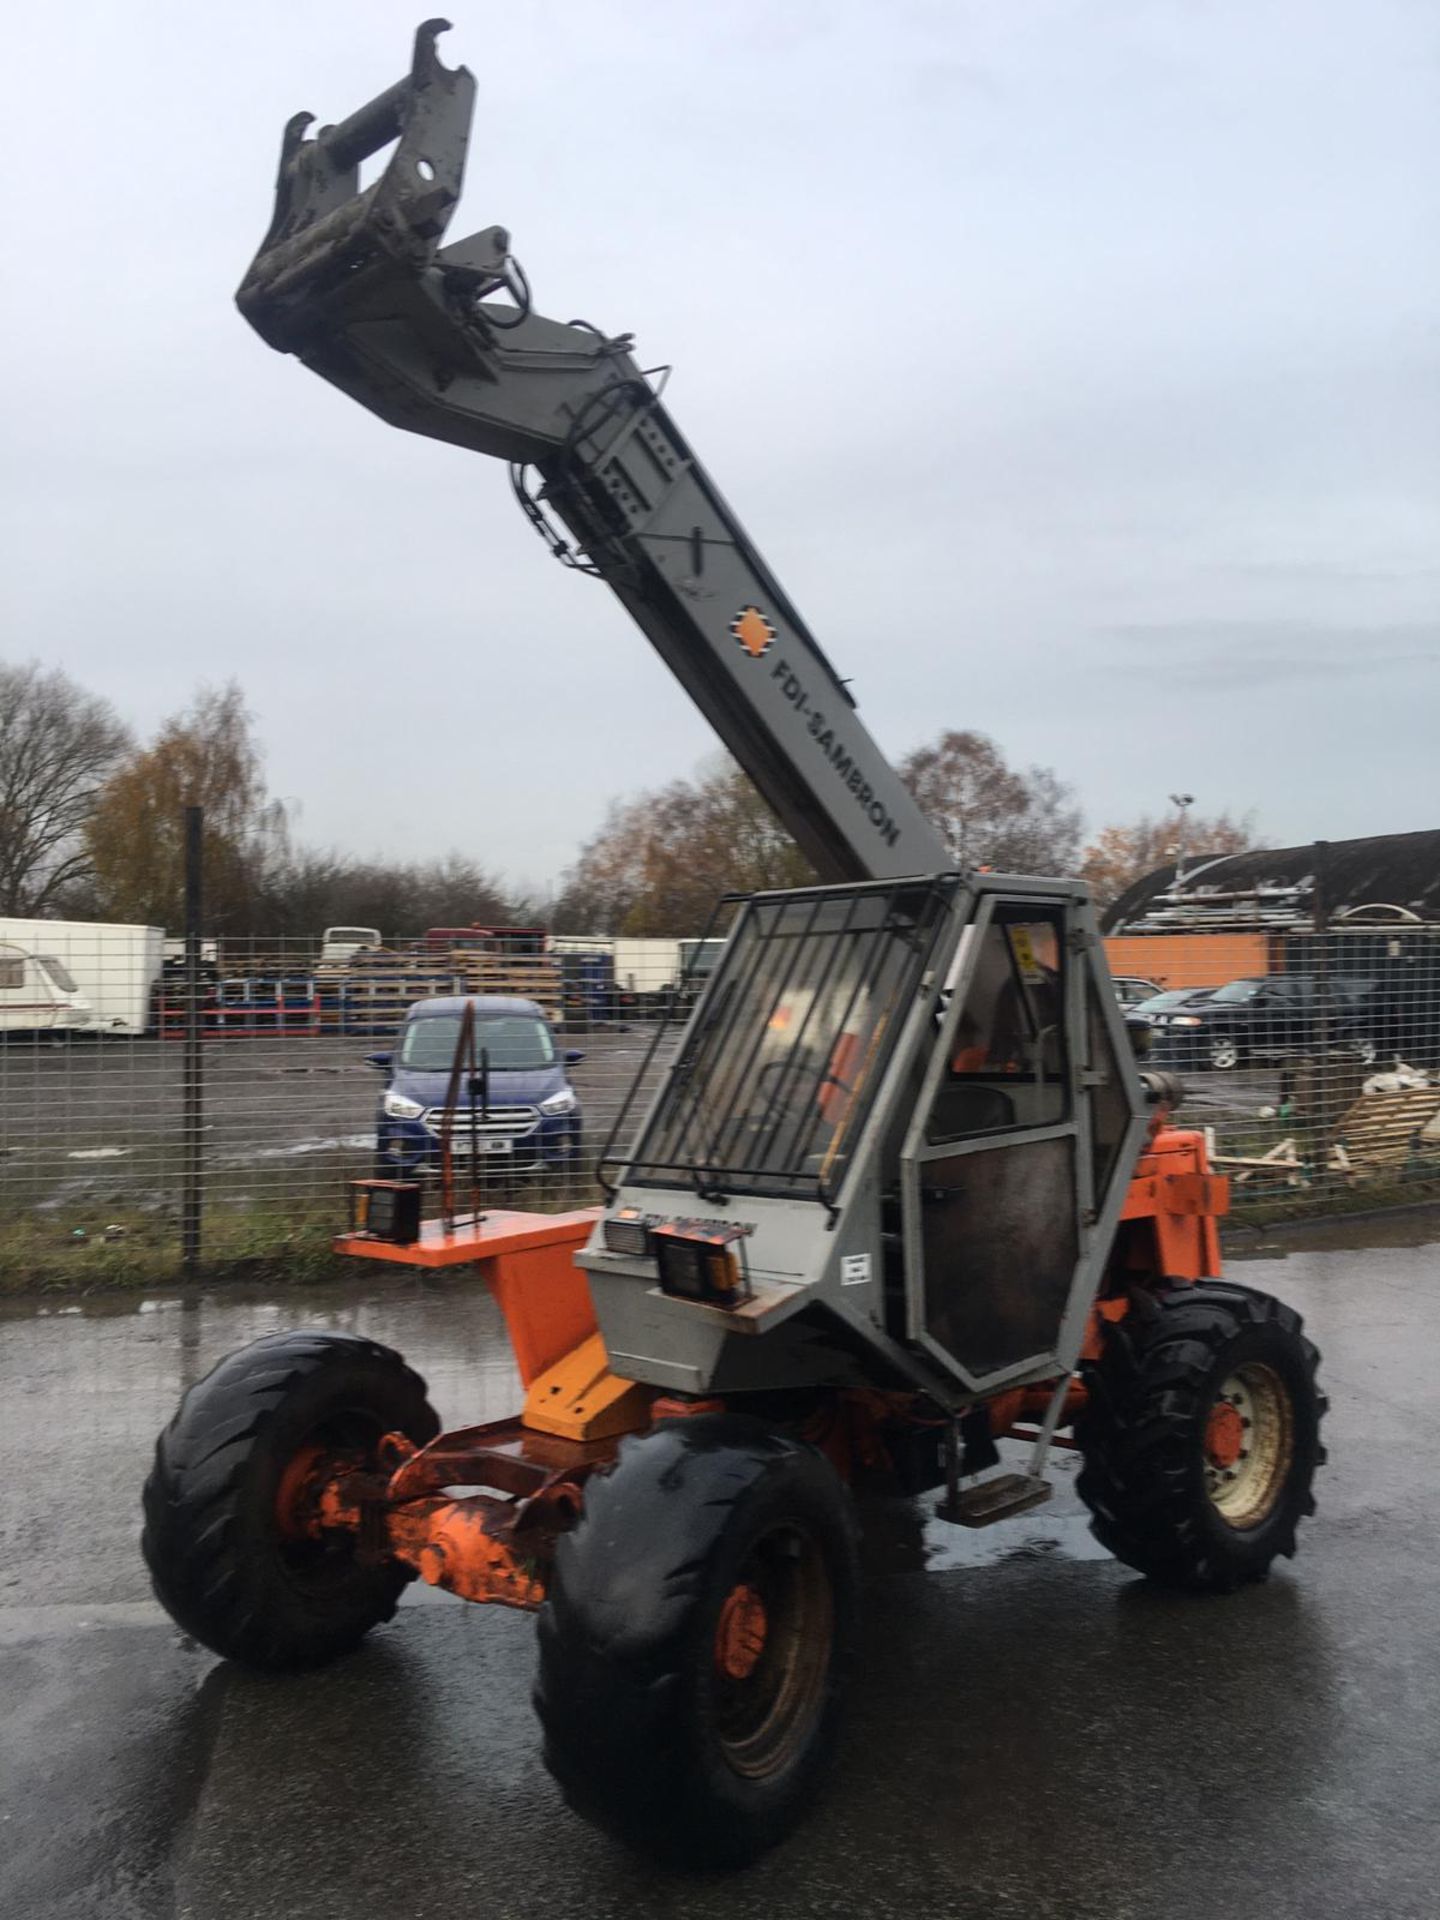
column 379, row 983
column 1377, row 1134
column 531, row 976
column 1382, row 1132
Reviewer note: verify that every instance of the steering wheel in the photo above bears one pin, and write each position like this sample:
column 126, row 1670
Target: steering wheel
column 770, row 1077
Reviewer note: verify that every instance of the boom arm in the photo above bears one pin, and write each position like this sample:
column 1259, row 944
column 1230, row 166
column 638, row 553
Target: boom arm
column 356, row 284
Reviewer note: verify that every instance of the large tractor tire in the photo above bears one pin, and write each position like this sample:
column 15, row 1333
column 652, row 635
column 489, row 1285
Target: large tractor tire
column 226, row 1560
column 1201, row 1435
column 695, row 1638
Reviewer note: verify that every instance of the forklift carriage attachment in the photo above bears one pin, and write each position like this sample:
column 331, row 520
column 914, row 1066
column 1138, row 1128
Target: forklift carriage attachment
column 903, row 1192
column 327, row 235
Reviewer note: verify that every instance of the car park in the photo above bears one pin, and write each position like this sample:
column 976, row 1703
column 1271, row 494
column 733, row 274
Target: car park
column 1273, row 1017
column 523, row 1117
column 1174, row 1005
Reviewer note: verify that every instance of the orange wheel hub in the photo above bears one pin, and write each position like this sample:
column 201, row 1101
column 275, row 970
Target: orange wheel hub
column 294, row 1515
column 740, row 1633
column 1224, row 1435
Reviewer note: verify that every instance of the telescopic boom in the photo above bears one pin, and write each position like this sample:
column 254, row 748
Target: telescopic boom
column 357, row 285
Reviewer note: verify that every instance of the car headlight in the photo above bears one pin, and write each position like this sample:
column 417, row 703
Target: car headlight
column 562, row 1102
column 398, row 1106
column 1186, row 1020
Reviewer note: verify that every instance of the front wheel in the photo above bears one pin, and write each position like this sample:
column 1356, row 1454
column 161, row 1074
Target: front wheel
column 1222, row 1051
column 1201, row 1435
column 695, row 1637
column 227, row 1560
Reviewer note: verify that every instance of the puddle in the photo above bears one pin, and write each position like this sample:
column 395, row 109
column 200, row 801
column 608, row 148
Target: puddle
column 336, row 1143
column 1033, row 1536
column 905, row 1536
column 99, row 1153
column 82, row 1189
column 1417, row 1226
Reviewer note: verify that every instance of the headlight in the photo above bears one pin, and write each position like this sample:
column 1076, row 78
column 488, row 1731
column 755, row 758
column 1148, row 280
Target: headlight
column 397, row 1107
column 1186, row 1020
column 562, row 1102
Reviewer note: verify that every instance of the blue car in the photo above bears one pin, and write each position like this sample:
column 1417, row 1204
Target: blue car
column 531, row 1121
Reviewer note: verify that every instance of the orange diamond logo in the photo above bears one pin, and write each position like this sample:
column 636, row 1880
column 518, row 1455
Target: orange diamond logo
column 753, row 631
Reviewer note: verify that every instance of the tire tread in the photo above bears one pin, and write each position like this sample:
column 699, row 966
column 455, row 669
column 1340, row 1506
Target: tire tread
column 1145, row 1395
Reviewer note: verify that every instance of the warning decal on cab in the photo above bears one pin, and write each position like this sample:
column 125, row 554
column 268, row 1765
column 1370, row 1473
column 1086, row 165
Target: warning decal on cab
column 1023, row 949
column 753, row 631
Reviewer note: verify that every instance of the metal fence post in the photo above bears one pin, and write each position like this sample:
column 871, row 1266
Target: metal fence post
column 1324, row 1025
column 192, row 1091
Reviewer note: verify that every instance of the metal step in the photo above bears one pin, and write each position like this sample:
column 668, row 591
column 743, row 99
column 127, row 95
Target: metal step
column 997, row 1499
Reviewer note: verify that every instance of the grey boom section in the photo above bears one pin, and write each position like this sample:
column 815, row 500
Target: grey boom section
column 356, row 284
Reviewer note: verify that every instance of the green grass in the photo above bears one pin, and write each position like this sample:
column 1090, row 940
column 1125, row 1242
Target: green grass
column 283, row 1241
column 1333, row 1201
column 40, row 1253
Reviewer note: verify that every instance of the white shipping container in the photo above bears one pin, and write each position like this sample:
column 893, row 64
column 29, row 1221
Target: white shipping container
column 647, row 966
column 581, row 943
column 114, row 966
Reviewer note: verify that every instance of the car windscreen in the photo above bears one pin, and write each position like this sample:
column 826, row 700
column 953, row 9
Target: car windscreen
column 1354, row 986
column 1158, row 1002
column 1237, row 990
column 513, row 1042
column 59, row 974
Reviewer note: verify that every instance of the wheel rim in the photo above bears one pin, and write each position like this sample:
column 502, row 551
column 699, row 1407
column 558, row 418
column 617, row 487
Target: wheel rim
column 772, row 1652
column 1223, row 1053
column 1249, row 1445
column 345, row 1441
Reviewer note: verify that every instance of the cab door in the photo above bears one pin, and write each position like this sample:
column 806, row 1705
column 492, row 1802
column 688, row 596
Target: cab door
column 1028, row 1125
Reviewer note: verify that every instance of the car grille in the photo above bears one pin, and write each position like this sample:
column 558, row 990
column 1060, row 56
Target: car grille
column 497, row 1122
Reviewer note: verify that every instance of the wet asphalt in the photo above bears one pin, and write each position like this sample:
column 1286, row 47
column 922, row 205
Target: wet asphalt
column 1033, row 1731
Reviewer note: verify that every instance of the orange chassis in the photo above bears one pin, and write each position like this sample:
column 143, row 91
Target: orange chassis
column 528, row 1474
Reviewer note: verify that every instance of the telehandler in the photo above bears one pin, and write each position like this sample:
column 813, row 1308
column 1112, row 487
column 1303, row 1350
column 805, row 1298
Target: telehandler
column 904, row 1192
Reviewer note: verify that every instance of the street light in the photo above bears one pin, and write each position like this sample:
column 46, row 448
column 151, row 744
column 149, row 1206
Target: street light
column 1182, row 802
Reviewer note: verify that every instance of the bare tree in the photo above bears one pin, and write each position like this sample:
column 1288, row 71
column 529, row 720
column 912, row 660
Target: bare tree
column 990, row 813
column 315, row 889
column 58, row 744
column 1120, row 855
column 205, row 756
column 661, row 860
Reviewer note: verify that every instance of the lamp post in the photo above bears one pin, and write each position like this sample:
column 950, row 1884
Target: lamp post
column 1182, row 802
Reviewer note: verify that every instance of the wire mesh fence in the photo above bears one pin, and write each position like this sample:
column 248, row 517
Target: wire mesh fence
column 1315, row 1070
column 318, row 1061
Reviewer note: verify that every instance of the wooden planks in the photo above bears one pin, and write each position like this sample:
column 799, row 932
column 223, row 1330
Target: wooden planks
column 1381, row 1130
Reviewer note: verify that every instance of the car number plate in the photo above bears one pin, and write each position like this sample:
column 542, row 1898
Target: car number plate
column 495, row 1146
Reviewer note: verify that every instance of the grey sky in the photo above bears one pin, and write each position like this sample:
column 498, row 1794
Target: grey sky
column 1075, row 365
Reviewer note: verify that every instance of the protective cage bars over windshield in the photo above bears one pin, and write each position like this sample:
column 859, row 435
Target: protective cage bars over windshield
column 791, row 1041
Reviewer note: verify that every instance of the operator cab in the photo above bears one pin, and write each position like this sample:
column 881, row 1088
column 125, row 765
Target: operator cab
column 906, row 1106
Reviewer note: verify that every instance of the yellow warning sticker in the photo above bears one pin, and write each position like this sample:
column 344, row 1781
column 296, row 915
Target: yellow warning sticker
column 1022, row 947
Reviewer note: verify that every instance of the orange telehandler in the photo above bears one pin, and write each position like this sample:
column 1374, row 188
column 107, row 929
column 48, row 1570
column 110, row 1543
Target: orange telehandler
column 904, row 1191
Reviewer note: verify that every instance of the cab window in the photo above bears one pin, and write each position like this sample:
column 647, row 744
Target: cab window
column 1008, row 1055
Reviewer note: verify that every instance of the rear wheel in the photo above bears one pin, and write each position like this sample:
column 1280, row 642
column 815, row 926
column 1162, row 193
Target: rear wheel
column 227, row 1557
column 695, row 1637
column 1201, row 1435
